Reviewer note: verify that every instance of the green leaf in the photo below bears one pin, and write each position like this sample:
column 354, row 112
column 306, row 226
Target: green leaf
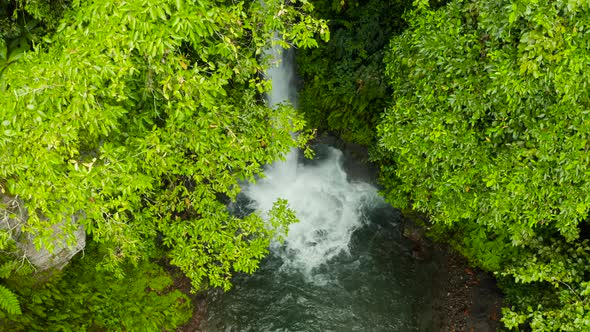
column 9, row 301
column 3, row 50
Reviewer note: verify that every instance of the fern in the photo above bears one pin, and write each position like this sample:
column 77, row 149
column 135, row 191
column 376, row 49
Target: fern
column 7, row 268
column 9, row 302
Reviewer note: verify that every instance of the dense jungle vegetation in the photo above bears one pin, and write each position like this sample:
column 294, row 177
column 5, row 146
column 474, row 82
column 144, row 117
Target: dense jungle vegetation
column 485, row 130
column 140, row 117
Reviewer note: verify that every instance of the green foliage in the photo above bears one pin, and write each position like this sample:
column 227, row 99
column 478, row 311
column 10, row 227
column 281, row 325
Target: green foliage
column 29, row 19
column 9, row 302
column 49, row 12
column 476, row 136
column 488, row 134
column 562, row 302
column 345, row 89
column 142, row 116
column 10, row 53
column 22, row 23
column 11, row 265
column 83, row 298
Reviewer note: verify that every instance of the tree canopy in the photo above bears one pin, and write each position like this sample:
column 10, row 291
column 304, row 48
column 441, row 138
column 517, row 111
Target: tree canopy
column 488, row 133
column 141, row 117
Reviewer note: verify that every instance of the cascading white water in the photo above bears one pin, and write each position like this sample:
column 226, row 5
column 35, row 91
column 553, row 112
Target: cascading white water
column 281, row 74
column 339, row 269
column 328, row 206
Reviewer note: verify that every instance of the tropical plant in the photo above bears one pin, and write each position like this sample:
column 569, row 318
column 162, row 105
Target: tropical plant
column 141, row 117
column 9, row 301
column 10, row 53
column 344, row 86
column 488, row 134
column 80, row 298
column 22, row 23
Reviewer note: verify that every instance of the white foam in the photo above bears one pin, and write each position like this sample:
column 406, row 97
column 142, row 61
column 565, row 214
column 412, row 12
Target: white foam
column 328, row 206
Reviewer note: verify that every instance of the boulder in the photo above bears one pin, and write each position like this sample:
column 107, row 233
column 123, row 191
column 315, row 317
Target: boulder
column 13, row 216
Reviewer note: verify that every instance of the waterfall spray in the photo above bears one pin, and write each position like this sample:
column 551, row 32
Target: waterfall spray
column 328, row 206
column 343, row 267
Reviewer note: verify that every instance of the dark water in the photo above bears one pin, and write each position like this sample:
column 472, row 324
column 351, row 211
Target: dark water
column 371, row 284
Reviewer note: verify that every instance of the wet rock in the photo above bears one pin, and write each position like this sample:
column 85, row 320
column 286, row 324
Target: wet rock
column 355, row 157
column 421, row 247
column 62, row 252
column 467, row 299
column 13, row 216
column 413, row 232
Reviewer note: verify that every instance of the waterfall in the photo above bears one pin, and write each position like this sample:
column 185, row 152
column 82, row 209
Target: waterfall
column 281, row 74
column 328, row 206
column 343, row 267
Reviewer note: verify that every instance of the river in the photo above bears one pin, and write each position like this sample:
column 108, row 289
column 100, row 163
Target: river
column 344, row 267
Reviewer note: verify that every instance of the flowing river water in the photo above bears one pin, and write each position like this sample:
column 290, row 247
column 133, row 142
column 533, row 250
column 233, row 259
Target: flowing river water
column 344, row 267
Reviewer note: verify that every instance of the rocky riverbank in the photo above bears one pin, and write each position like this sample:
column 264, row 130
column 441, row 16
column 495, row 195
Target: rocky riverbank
column 465, row 298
